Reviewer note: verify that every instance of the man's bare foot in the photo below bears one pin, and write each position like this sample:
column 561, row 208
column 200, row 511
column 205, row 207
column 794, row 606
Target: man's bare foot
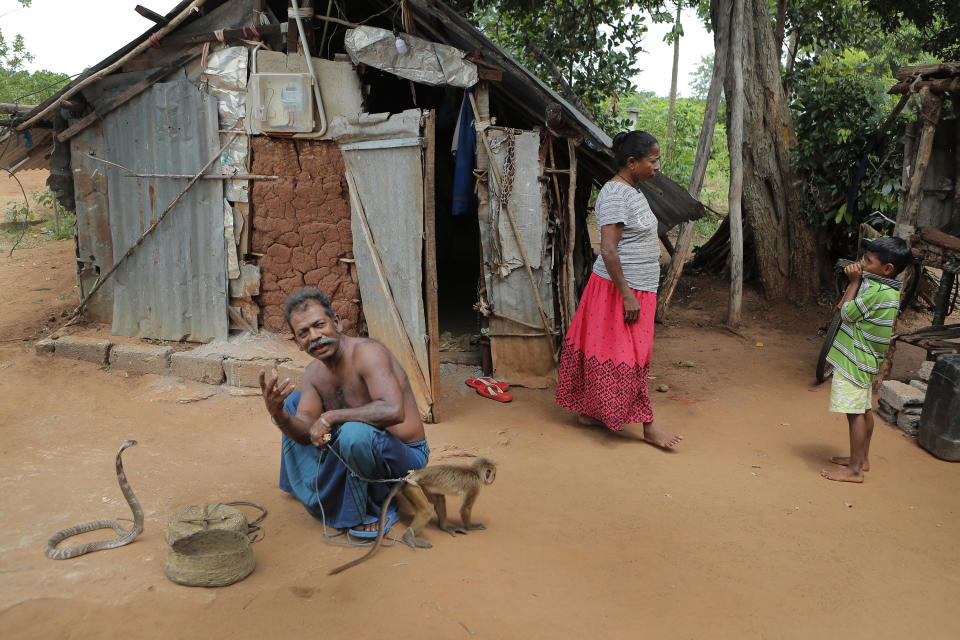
column 842, row 475
column 657, row 437
column 845, row 460
column 589, row 421
column 370, row 528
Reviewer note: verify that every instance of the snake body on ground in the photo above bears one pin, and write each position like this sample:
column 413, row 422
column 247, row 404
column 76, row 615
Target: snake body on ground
column 126, row 535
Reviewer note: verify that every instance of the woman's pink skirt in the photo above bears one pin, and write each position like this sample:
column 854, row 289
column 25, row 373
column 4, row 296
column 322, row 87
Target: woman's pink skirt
column 605, row 361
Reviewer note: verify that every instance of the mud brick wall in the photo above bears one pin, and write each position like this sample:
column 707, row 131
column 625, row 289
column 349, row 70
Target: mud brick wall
column 301, row 226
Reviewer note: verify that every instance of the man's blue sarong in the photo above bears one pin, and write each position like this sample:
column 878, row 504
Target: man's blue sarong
column 315, row 476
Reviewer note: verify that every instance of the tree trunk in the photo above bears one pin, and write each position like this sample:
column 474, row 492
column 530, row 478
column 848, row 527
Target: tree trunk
column 786, row 247
column 673, row 85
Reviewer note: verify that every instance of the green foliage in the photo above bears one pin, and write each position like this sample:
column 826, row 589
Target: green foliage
column 594, row 44
column 688, row 120
column 55, row 222
column 700, row 78
column 17, row 84
column 937, row 23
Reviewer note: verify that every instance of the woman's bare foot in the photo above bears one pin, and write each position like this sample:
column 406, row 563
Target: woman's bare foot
column 842, row 475
column 372, row 527
column 657, row 437
column 589, row 421
column 845, row 460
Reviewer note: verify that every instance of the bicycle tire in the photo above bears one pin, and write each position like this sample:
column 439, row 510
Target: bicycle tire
column 824, row 368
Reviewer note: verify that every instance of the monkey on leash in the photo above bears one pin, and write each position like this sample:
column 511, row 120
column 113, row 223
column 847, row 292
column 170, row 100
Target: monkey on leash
column 428, row 487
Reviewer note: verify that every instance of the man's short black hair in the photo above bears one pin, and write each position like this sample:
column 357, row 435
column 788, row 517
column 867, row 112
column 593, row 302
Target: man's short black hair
column 301, row 298
column 889, row 249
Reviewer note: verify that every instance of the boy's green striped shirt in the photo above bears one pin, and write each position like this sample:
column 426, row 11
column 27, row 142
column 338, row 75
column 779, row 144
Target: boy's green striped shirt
column 865, row 330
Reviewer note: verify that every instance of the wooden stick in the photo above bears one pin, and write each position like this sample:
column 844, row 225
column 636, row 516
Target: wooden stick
column 430, row 252
column 130, row 173
column 553, row 171
column 516, row 231
column 143, row 236
column 385, row 284
column 16, row 109
column 572, row 235
column 736, row 168
column 129, row 94
column 517, row 321
column 140, row 48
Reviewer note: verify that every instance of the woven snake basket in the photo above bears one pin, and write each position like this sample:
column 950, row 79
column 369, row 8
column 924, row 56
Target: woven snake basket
column 208, row 546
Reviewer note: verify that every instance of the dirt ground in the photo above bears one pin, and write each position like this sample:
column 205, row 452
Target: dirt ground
column 590, row 534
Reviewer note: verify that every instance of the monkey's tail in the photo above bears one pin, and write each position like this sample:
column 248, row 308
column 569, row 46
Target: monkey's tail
column 380, row 532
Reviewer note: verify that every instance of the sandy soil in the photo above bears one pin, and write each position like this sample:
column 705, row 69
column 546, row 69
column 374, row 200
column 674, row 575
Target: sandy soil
column 590, row 534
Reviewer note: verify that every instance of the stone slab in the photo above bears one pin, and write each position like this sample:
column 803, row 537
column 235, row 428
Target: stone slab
column 886, row 414
column 45, row 347
column 141, row 358
column 94, row 350
column 246, row 373
column 899, row 395
column 908, row 423
column 248, row 284
column 919, row 384
column 925, row 370
column 293, row 371
column 207, row 368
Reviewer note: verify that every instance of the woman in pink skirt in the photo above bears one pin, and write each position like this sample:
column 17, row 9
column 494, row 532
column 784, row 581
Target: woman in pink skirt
column 606, row 354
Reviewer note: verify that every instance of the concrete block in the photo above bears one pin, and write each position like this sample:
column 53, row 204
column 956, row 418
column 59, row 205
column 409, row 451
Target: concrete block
column 293, row 371
column 919, row 384
column 885, row 413
column 909, row 424
column 913, row 411
column 141, row 358
column 206, row 368
column 45, row 347
column 93, row 350
column 925, row 370
column 246, row 373
column 248, row 284
column 899, row 395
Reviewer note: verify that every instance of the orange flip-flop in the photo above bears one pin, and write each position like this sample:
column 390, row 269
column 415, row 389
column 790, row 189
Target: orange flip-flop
column 479, row 383
column 493, row 392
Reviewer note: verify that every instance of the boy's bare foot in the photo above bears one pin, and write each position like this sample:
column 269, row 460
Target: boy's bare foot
column 589, row 421
column 657, row 437
column 845, row 460
column 842, row 475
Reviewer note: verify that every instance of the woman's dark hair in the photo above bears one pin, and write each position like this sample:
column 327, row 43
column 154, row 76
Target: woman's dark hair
column 632, row 144
column 301, row 298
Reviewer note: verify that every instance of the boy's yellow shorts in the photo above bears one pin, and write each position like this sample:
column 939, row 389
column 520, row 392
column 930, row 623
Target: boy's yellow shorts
column 846, row 397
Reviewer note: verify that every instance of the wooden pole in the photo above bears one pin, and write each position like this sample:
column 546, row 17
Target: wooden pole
column 385, row 284
column 682, row 250
column 430, row 253
column 572, row 232
column 930, row 107
column 552, row 171
column 101, row 280
column 736, row 168
column 140, row 48
column 516, row 234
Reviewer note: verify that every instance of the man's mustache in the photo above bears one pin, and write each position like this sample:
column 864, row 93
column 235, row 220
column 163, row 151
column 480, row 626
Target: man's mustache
column 319, row 342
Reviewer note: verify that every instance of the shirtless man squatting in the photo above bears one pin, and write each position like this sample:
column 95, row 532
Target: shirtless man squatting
column 355, row 408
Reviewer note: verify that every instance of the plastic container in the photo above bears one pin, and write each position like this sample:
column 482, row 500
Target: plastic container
column 280, row 102
column 940, row 421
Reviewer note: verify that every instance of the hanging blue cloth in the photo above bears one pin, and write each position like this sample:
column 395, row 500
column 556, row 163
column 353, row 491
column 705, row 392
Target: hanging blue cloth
column 464, row 197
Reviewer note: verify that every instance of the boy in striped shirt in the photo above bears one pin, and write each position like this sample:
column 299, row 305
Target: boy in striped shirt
column 868, row 309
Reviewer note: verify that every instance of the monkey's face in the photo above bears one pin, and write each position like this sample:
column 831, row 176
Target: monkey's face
column 315, row 332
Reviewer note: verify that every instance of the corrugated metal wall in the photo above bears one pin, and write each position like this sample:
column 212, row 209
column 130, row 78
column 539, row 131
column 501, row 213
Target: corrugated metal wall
column 174, row 286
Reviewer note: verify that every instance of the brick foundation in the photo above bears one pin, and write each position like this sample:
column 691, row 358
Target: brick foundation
column 301, row 225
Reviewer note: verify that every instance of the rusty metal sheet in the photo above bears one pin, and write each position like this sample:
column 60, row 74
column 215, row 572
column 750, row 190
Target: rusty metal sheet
column 94, row 243
column 174, row 286
column 389, row 182
column 526, row 361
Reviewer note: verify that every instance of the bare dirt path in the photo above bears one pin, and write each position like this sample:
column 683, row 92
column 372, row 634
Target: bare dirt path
column 590, row 534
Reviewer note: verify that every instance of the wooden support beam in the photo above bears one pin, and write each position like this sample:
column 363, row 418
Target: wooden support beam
column 570, row 284
column 243, row 33
column 16, row 109
column 736, row 167
column 430, row 254
column 930, row 107
column 151, row 15
column 939, row 85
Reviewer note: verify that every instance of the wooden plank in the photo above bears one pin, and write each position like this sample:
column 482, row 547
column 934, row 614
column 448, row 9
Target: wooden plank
column 418, row 376
column 929, row 70
column 430, row 255
column 930, row 107
column 124, row 97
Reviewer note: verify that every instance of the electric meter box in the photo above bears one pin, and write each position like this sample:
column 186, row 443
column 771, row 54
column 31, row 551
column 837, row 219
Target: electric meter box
column 281, row 102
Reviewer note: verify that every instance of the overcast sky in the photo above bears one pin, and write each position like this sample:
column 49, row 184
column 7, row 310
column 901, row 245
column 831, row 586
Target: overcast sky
column 69, row 35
